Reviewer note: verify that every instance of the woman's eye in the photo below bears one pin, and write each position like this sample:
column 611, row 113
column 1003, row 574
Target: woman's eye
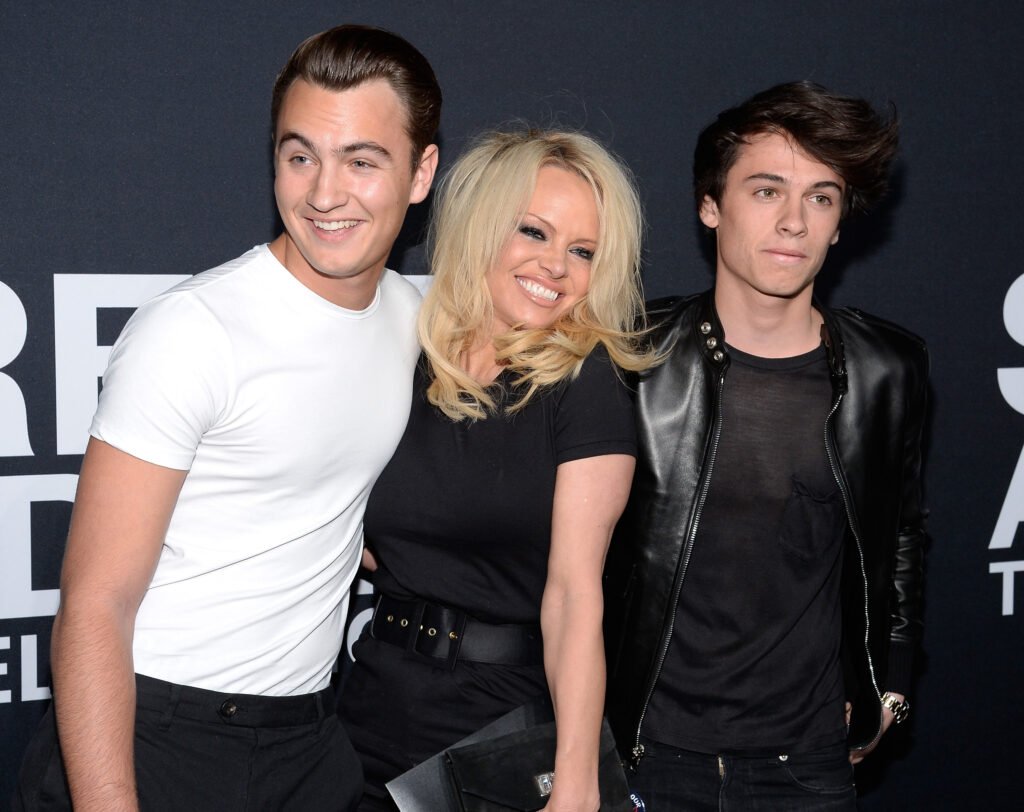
column 532, row 232
column 583, row 253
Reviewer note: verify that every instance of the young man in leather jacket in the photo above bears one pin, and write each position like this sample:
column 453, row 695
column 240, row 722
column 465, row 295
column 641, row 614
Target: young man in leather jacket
column 764, row 586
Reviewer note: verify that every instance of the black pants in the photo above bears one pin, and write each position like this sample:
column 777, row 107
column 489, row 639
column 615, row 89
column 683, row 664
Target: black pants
column 203, row 750
column 683, row 781
column 400, row 709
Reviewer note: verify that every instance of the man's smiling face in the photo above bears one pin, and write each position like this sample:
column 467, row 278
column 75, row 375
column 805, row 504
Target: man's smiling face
column 343, row 183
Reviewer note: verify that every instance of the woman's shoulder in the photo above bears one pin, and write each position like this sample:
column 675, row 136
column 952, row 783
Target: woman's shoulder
column 598, row 376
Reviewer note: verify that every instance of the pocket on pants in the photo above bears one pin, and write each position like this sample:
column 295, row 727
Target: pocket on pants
column 824, row 772
column 42, row 784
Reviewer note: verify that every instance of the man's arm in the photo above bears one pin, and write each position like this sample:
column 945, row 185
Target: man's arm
column 121, row 513
column 907, row 586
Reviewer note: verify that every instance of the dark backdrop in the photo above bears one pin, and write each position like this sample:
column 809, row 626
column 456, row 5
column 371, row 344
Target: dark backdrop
column 136, row 146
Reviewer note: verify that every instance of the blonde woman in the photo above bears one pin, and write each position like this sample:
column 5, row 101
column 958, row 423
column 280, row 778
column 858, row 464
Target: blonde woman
column 490, row 525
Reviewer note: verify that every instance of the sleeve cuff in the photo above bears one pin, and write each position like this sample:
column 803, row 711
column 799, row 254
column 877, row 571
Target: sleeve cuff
column 901, row 665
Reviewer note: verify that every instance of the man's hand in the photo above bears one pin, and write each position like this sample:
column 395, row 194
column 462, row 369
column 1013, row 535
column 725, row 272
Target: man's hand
column 857, row 756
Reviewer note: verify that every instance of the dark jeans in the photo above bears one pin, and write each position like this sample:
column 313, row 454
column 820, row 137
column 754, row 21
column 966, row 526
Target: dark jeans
column 672, row 780
column 203, row 750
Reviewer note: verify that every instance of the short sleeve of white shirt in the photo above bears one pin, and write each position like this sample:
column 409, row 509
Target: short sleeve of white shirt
column 168, row 379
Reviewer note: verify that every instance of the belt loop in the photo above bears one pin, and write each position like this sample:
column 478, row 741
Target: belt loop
column 320, row 715
column 173, row 698
column 455, row 639
column 375, row 616
column 415, row 626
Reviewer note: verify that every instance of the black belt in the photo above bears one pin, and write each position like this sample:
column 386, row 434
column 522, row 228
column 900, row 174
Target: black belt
column 244, row 710
column 443, row 633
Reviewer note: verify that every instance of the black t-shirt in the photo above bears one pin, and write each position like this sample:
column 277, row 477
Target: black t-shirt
column 462, row 513
column 753, row 663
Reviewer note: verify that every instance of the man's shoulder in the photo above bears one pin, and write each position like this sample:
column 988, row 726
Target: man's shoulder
column 205, row 281
column 666, row 318
column 668, row 312
column 398, row 291
column 667, row 308
column 855, row 322
column 867, row 337
column 219, row 283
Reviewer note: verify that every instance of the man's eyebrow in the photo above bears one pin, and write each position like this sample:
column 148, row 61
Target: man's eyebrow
column 363, row 146
column 768, row 176
column 291, row 135
column 341, row 152
column 772, row 178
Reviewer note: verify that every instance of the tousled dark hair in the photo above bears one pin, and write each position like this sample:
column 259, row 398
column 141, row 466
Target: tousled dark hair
column 844, row 133
column 349, row 55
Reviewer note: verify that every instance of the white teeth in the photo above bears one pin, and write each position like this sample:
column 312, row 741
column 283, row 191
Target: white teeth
column 538, row 290
column 334, row 225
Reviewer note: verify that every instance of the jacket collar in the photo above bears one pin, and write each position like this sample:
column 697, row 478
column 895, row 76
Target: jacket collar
column 711, row 338
column 710, row 335
column 832, row 338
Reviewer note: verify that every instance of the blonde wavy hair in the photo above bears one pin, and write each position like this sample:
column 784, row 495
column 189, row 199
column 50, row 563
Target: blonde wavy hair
column 479, row 205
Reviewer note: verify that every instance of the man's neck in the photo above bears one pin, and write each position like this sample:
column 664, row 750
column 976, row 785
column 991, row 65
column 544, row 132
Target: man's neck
column 355, row 292
column 769, row 326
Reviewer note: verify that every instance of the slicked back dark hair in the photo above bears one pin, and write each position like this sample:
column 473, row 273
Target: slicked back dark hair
column 844, row 133
column 349, row 55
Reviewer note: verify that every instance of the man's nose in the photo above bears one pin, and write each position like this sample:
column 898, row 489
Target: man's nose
column 330, row 189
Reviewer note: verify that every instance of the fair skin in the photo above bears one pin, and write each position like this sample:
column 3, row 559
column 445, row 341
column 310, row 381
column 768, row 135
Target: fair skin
column 344, row 180
column 343, row 183
column 544, row 269
column 542, row 272
column 778, row 216
column 590, row 495
column 122, row 510
column 857, row 756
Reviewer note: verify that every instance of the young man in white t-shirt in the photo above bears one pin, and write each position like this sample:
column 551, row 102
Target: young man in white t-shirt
column 218, row 522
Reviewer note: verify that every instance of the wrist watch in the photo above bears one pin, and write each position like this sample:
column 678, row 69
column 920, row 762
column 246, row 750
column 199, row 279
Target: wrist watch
column 900, row 708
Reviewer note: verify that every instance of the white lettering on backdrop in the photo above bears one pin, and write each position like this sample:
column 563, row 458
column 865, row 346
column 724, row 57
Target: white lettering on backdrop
column 1011, row 385
column 79, row 361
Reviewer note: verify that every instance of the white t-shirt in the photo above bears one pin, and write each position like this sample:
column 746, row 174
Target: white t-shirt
column 283, row 408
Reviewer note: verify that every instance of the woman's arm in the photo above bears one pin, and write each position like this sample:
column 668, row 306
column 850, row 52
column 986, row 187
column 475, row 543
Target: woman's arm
column 590, row 495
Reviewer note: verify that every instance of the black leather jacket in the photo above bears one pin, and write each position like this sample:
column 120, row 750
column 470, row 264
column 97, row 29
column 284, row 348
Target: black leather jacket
column 873, row 441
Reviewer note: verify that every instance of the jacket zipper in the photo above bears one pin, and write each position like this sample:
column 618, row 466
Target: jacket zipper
column 638, row 749
column 834, row 465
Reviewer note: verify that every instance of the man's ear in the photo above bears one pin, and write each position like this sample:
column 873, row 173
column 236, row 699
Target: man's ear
column 423, row 176
column 709, row 212
column 835, row 238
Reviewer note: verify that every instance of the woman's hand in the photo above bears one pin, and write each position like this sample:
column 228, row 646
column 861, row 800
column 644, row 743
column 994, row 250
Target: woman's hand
column 574, row 799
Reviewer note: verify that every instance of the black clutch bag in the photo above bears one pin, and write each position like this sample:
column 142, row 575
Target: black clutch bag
column 504, row 767
column 513, row 773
